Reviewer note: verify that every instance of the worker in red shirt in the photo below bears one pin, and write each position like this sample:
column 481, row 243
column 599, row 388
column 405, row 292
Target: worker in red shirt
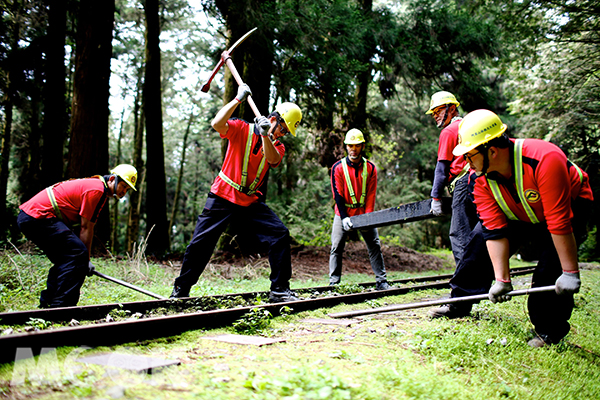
column 452, row 172
column 234, row 195
column 528, row 190
column 49, row 219
column 354, row 187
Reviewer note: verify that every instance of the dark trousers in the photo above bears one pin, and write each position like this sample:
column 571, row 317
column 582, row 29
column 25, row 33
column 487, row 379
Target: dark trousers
column 549, row 312
column 66, row 251
column 257, row 218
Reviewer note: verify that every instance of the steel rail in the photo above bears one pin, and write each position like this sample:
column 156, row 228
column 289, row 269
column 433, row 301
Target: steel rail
column 99, row 311
column 133, row 330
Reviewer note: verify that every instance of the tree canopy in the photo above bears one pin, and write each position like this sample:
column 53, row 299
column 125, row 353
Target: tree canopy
column 363, row 63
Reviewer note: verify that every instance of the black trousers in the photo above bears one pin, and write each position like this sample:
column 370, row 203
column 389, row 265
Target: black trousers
column 257, row 218
column 549, row 312
column 66, row 251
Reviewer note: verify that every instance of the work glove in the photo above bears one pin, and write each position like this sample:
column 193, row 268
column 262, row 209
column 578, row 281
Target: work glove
column 243, row 93
column 568, row 283
column 498, row 292
column 263, row 125
column 436, row 207
column 347, row 224
column 91, row 269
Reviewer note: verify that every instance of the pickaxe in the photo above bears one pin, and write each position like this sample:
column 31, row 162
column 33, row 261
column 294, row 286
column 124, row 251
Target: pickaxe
column 226, row 59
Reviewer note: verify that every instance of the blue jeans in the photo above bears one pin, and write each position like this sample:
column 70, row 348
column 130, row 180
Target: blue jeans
column 258, row 218
column 338, row 242
column 66, row 251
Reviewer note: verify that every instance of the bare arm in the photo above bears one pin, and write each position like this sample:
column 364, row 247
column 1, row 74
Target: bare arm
column 567, row 251
column 499, row 250
column 86, row 234
column 219, row 122
column 271, row 153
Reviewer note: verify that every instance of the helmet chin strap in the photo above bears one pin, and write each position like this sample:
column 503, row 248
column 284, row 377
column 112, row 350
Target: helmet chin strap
column 486, row 163
column 117, row 180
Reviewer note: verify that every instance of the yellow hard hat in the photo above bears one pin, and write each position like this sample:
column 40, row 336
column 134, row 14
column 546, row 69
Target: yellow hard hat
column 354, row 136
column 441, row 98
column 126, row 172
column 291, row 114
column 476, row 128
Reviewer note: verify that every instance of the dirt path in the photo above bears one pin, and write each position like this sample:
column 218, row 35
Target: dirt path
column 313, row 261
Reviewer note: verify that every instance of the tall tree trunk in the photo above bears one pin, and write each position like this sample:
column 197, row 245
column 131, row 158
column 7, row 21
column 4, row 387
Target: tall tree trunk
column 114, row 237
column 156, row 202
column 181, row 168
column 8, row 103
column 133, row 224
column 88, row 152
column 54, row 125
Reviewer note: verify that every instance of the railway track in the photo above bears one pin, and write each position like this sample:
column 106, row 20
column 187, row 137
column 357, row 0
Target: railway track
column 186, row 314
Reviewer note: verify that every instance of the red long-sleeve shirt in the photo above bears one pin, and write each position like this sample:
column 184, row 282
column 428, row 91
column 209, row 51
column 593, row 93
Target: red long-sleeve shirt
column 550, row 182
column 340, row 191
column 237, row 134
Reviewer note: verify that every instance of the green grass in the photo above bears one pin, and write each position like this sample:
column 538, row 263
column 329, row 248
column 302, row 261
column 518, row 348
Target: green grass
column 386, row 356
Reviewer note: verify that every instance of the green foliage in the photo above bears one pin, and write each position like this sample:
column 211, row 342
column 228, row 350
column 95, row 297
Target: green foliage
column 253, row 322
column 302, row 383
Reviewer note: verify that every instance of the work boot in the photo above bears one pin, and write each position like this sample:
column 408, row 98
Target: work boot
column 450, row 311
column 180, row 292
column 539, row 341
column 383, row 285
column 282, row 295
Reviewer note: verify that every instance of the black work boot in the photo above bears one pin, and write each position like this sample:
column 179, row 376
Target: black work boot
column 450, row 311
column 282, row 295
column 180, row 292
column 383, row 285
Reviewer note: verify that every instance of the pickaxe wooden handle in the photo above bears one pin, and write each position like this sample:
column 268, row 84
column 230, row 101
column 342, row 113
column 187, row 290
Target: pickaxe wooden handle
column 240, row 82
column 224, row 57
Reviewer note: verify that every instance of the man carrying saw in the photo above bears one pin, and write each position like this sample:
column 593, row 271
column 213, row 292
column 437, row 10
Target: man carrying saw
column 234, row 196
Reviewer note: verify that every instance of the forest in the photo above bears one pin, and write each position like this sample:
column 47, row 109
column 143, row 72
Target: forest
column 86, row 85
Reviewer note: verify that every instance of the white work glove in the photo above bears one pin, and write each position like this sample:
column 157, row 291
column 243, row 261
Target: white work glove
column 436, row 207
column 347, row 224
column 498, row 292
column 568, row 283
column 91, row 269
column 243, row 93
column 263, row 124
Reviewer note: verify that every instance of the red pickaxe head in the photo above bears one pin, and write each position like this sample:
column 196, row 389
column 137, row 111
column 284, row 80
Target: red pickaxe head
column 226, row 54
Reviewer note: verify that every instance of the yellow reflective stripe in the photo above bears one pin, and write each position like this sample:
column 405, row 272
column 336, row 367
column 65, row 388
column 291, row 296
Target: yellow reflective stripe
column 50, row 193
column 578, row 171
column 356, row 204
column 500, row 200
column 519, row 180
column 249, row 190
column 462, row 173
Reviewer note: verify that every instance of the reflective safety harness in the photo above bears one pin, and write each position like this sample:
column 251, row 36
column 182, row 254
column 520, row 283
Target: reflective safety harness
column 518, row 170
column 248, row 190
column 356, row 204
column 50, row 193
column 462, row 173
